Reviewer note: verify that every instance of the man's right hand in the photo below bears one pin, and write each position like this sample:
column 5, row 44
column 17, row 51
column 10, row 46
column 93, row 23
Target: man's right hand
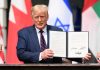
column 47, row 53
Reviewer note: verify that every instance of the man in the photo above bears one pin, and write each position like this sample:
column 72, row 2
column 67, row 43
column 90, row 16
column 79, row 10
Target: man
column 29, row 40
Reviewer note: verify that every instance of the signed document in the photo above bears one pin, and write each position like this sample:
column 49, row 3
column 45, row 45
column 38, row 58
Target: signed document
column 69, row 44
column 77, row 44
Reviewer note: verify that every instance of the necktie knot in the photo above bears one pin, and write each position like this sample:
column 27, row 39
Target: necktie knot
column 41, row 31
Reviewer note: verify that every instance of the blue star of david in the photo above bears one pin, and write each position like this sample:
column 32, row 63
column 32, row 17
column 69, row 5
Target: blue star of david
column 59, row 24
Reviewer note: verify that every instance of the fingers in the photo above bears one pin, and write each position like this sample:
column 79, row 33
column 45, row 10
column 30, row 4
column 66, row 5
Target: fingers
column 98, row 57
column 47, row 53
column 87, row 57
column 98, row 60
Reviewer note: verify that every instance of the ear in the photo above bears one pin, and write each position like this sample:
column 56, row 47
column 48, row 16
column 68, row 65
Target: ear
column 32, row 12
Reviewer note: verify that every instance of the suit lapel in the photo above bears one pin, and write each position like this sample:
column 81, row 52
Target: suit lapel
column 35, row 38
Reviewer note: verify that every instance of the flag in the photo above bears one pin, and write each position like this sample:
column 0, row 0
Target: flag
column 91, row 23
column 2, row 27
column 60, row 14
column 19, row 17
column 2, row 59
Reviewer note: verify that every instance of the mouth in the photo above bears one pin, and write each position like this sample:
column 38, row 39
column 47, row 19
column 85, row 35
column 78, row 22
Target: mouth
column 41, row 23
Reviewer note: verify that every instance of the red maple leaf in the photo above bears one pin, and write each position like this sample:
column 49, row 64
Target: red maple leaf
column 22, row 20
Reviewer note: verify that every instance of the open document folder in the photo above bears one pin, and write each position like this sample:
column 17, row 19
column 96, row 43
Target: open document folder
column 69, row 44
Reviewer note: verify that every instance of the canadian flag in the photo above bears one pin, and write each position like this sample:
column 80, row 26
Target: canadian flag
column 19, row 17
column 1, row 47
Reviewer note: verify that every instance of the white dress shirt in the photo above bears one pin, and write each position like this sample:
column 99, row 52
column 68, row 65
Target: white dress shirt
column 45, row 37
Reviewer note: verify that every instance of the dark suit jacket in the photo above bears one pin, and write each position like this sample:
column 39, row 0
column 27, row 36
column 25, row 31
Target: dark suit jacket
column 28, row 48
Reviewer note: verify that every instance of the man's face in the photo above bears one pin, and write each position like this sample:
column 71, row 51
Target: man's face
column 40, row 18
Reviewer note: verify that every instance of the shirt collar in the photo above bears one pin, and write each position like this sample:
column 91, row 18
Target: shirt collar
column 45, row 29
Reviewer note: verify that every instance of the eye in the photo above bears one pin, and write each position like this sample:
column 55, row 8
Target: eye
column 36, row 17
column 42, row 16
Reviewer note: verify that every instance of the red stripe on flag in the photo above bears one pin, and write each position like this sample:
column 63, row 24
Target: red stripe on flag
column 88, row 3
column 2, row 55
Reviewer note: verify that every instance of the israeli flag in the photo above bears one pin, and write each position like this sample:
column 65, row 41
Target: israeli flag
column 60, row 14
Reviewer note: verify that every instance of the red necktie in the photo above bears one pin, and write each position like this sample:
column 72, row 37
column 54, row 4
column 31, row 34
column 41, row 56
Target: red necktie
column 42, row 41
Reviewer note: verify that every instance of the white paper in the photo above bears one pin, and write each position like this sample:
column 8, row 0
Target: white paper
column 57, row 43
column 77, row 44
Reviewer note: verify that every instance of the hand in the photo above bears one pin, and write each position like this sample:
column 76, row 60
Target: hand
column 87, row 57
column 47, row 53
column 98, row 57
column 98, row 60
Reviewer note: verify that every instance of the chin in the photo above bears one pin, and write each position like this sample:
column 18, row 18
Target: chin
column 40, row 27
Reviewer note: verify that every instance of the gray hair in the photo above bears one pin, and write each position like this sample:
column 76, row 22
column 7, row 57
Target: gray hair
column 40, row 6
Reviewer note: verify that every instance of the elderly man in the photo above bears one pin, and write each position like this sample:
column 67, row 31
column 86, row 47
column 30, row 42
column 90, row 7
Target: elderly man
column 32, row 46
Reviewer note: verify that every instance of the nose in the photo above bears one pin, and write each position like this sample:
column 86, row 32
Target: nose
column 39, row 18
